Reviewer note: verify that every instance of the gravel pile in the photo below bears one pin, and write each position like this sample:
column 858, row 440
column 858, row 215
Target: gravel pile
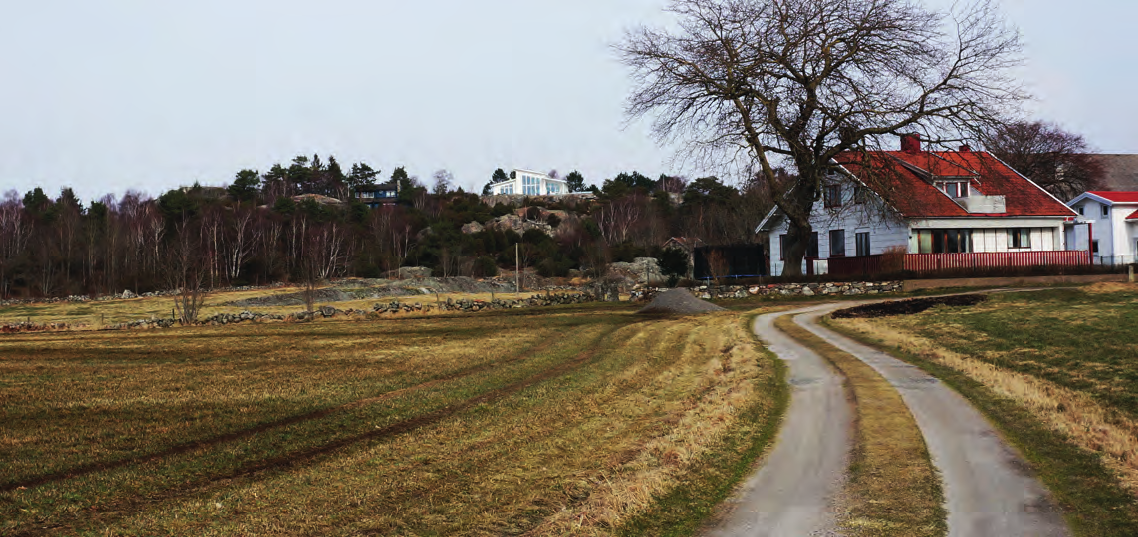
column 679, row 301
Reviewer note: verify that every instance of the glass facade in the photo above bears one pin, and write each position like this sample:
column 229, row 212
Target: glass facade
column 944, row 241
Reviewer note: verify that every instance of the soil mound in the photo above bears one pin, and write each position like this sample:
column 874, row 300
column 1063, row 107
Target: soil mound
column 680, row 302
column 907, row 307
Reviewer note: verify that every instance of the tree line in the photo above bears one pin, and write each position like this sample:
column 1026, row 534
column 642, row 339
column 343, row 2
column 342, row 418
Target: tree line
column 261, row 228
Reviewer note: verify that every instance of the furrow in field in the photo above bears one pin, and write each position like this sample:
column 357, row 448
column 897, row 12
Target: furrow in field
column 127, row 506
column 265, row 427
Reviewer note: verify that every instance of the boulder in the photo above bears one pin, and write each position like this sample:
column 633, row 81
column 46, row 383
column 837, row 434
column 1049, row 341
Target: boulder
column 472, row 228
column 414, row 272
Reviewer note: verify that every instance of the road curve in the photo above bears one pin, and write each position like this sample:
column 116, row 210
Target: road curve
column 793, row 492
column 988, row 488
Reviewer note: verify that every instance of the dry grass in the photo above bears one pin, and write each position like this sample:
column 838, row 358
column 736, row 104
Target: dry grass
column 566, row 421
column 893, row 488
column 99, row 313
column 1074, row 414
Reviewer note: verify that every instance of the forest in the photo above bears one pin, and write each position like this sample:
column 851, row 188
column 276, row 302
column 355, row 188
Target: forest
column 301, row 222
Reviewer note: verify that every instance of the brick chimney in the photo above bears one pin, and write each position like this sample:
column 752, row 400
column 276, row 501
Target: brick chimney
column 911, row 143
column 965, row 148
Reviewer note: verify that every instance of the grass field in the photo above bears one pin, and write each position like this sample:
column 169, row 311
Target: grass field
column 1056, row 371
column 567, row 420
column 94, row 314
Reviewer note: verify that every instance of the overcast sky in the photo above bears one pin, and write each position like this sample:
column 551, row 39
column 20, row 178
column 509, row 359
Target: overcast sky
column 141, row 94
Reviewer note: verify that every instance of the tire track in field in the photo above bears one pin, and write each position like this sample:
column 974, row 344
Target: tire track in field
column 129, row 506
column 186, row 447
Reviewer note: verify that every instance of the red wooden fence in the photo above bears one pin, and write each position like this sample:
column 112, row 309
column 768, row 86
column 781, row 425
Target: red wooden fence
column 930, row 262
column 875, row 264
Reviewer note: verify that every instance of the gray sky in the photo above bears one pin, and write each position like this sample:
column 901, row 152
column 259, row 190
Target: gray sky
column 116, row 94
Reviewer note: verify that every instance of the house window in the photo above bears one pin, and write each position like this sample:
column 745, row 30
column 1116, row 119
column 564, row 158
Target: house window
column 1019, row 238
column 861, row 195
column 1094, row 247
column 1082, row 210
column 944, row 241
column 832, row 195
column 862, row 244
column 954, row 189
column 1105, row 211
column 837, row 243
column 782, row 246
column 531, row 186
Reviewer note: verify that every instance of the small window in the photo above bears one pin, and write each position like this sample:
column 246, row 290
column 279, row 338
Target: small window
column 862, row 240
column 1105, row 211
column 782, row 247
column 837, row 243
column 861, row 195
column 1094, row 247
column 812, row 248
column 1019, row 238
column 832, row 195
column 1082, row 210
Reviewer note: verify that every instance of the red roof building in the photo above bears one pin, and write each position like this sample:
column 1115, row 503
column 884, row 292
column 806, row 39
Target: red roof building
column 1111, row 219
column 926, row 202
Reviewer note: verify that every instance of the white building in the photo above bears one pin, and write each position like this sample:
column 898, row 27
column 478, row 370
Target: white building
column 1109, row 222
column 529, row 183
column 928, row 206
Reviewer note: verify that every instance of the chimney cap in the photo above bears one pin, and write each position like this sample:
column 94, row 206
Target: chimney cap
column 911, row 143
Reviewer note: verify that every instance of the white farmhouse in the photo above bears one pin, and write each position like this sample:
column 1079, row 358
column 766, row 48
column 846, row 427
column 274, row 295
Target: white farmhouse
column 529, row 183
column 1108, row 221
column 937, row 209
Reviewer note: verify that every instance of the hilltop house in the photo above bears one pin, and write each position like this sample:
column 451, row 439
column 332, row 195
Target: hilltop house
column 935, row 209
column 378, row 195
column 1107, row 225
column 529, row 183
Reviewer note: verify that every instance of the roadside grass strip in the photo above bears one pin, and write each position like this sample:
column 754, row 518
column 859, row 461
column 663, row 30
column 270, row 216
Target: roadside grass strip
column 893, row 488
column 1082, row 450
column 712, row 478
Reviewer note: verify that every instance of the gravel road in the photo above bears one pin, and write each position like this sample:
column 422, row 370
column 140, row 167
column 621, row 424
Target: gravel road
column 989, row 489
column 794, row 492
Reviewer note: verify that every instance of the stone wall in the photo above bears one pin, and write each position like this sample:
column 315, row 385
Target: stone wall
column 799, row 289
column 708, row 292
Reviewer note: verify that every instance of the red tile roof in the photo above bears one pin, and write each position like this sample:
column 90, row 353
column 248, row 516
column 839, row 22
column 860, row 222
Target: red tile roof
column 1117, row 197
column 904, row 180
column 1133, row 216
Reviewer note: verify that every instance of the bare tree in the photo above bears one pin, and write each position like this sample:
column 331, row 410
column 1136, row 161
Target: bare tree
column 444, row 182
column 717, row 266
column 1055, row 159
column 186, row 273
column 747, row 82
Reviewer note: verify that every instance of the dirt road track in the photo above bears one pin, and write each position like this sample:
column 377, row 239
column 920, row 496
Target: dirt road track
column 792, row 494
column 988, row 488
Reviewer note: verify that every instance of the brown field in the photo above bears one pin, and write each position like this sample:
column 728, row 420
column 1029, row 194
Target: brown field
column 567, row 420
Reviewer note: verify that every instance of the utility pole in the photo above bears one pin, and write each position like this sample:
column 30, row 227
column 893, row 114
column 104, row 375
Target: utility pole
column 517, row 268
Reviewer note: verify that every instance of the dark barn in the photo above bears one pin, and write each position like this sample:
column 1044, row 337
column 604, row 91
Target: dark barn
column 736, row 261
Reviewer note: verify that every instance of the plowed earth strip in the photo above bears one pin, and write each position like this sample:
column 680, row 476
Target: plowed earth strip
column 129, row 506
column 187, row 447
